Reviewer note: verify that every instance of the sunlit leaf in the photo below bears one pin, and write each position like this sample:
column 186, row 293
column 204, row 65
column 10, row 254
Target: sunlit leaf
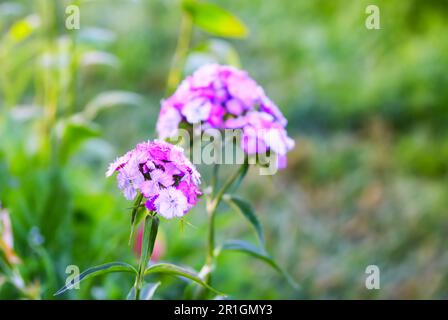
column 247, row 211
column 215, row 20
column 171, row 269
column 111, row 99
column 259, row 253
column 22, row 29
column 97, row 271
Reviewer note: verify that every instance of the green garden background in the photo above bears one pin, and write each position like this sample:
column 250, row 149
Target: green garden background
column 365, row 185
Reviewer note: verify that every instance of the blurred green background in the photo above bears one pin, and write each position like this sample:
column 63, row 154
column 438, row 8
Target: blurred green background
column 366, row 183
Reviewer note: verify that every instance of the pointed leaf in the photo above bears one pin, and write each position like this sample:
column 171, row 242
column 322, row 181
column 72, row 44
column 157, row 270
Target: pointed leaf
column 215, row 20
column 247, row 211
column 96, row 271
column 243, row 172
column 259, row 253
column 146, row 293
column 149, row 238
column 171, row 269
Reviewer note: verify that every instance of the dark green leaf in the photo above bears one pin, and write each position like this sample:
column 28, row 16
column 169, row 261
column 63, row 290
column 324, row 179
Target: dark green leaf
column 149, row 238
column 214, row 19
column 171, row 269
column 247, row 211
column 259, row 253
column 96, row 271
column 243, row 171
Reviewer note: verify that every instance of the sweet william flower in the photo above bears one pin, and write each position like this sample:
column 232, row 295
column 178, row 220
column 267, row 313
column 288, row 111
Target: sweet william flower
column 162, row 174
column 225, row 97
column 171, row 203
column 197, row 110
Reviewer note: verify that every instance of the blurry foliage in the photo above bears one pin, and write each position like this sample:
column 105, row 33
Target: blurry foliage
column 366, row 183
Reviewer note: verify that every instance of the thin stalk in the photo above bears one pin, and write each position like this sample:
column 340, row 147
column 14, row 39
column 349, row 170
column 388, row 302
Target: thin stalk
column 181, row 52
column 215, row 175
column 135, row 209
column 212, row 205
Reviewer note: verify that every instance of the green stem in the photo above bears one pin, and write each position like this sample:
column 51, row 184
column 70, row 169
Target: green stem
column 149, row 238
column 183, row 44
column 137, row 204
column 212, row 205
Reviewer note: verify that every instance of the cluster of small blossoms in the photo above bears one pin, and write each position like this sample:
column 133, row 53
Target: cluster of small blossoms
column 162, row 174
column 224, row 97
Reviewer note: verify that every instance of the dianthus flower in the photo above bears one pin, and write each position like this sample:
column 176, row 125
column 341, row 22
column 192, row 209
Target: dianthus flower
column 224, row 97
column 168, row 181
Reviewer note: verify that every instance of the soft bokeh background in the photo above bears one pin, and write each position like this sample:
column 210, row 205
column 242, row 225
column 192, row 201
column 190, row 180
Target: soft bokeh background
column 366, row 183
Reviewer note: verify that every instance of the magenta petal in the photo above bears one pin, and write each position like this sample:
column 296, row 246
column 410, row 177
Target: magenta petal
column 234, row 107
column 282, row 162
column 149, row 204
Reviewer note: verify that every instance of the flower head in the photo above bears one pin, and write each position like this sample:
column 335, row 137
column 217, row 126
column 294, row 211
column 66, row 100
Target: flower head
column 162, row 174
column 224, row 97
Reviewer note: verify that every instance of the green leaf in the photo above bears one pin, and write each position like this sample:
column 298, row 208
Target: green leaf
column 22, row 29
column 243, row 172
column 109, row 99
column 247, row 211
column 214, row 19
column 96, row 271
column 149, row 238
column 171, row 269
column 72, row 133
column 259, row 253
column 146, row 293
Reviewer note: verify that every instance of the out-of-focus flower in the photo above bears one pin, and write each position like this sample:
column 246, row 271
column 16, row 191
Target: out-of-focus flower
column 159, row 245
column 6, row 238
column 162, row 174
column 224, row 97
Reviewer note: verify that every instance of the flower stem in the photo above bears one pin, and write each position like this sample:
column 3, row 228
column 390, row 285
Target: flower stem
column 212, row 205
column 149, row 238
column 183, row 44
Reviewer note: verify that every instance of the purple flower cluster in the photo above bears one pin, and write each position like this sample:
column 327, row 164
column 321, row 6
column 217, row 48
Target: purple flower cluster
column 224, row 97
column 162, row 174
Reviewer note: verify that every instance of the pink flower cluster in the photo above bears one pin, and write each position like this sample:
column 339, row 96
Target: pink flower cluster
column 224, row 97
column 161, row 172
